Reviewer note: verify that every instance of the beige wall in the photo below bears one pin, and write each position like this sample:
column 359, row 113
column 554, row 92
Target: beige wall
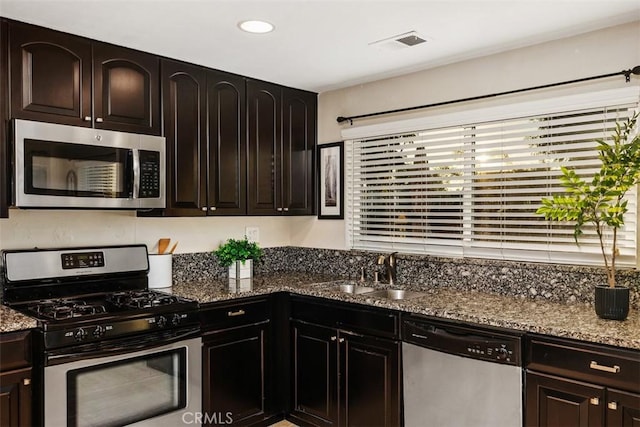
column 600, row 52
column 45, row 228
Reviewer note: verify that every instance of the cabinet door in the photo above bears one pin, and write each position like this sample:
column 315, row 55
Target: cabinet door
column 555, row 401
column 15, row 398
column 264, row 107
column 183, row 94
column 315, row 374
column 50, row 76
column 227, row 143
column 623, row 409
column 126, row 89
column 298, row 142
column 370, row 381
column 4, row 118
column 237, row 375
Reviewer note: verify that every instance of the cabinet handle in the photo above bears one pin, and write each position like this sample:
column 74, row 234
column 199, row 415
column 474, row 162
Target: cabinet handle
column 26, row 381
column 594, row 401
column 235, row 313
column 613, row 405
column 203, row 209
column 87, row 118
column 286, row 209
column 279, row 209
column 99, row 120
column 212, row 208
column 334, row 338
column 613, row 370
column 341, row 340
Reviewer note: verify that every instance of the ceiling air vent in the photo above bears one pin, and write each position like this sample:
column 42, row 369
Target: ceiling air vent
column 401, row 41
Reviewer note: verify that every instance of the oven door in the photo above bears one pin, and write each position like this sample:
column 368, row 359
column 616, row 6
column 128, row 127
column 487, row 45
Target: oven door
column 157, row 386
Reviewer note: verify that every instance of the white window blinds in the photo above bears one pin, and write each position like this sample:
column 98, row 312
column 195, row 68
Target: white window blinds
column 473, row 189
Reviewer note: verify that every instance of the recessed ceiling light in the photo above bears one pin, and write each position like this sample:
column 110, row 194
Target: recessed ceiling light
column 255, row 26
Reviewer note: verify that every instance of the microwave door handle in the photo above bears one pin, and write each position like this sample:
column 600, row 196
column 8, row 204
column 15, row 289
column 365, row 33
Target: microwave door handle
column 136, row 173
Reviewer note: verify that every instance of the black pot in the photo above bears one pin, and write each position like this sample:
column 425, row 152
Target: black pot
column 612, row 303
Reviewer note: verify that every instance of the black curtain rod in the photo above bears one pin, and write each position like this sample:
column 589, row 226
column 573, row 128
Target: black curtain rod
column 626, row 73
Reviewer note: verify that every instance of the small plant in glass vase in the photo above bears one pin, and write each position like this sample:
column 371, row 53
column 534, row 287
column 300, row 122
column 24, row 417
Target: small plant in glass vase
column 239, row 255
column 601, row 203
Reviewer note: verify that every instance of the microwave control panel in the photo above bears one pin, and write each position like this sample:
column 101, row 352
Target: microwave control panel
column 149, row 174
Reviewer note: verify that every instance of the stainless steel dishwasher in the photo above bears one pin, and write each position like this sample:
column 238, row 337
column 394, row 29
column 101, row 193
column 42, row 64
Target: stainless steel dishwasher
column 460, row 376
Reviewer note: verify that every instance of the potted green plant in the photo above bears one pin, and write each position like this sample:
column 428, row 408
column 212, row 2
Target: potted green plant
column 239, row 255
column 601, row 203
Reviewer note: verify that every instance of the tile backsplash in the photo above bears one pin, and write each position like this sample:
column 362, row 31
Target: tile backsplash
column 551, row 282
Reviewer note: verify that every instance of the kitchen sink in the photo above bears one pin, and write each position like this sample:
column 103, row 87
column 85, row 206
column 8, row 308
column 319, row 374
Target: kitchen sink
column 347, row 286
column 355, row 289
column 395, row 294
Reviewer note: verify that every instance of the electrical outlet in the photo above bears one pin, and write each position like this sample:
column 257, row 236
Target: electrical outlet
column 252, row 233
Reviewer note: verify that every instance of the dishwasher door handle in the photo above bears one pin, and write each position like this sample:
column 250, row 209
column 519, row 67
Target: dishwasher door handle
column 433, row 331
column 424, row 337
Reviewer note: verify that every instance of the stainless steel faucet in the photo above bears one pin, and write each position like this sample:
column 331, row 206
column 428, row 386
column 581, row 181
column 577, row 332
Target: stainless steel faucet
column 389, row 262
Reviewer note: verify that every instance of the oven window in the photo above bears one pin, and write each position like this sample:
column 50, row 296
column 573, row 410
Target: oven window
column 127, row 391
column 78, row 170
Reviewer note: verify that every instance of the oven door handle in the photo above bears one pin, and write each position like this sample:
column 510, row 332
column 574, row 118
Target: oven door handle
column 120, row 346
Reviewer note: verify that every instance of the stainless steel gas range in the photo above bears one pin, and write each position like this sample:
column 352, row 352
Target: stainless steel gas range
column 110, row 352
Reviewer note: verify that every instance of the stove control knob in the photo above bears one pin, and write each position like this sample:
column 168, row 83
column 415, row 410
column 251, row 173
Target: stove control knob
column 80, row 334
column 175, row 320
column 161, row 321
column 98, row 331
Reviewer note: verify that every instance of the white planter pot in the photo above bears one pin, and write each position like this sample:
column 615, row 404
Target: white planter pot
column 241, row 270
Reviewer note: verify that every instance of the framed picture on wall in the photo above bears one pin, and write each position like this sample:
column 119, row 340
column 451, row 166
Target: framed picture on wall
column 331, row 181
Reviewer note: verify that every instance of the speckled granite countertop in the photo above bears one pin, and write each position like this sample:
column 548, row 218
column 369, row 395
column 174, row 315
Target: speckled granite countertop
column 575, row 321
column 11, row 320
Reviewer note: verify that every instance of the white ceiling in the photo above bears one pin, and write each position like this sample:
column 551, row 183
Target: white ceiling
column 321, row 45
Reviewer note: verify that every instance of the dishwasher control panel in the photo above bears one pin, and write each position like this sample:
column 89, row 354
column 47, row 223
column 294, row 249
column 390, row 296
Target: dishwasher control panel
column 477, row 343
column 497, row 351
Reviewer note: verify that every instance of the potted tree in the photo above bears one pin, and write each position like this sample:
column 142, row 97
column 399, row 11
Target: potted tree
column 239, row 255
column 601, row 203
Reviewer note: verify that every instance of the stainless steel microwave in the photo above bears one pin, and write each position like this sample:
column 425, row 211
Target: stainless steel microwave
column 59, row 166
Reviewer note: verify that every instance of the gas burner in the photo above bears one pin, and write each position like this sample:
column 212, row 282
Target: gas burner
column 141, row 299
column 60, row 309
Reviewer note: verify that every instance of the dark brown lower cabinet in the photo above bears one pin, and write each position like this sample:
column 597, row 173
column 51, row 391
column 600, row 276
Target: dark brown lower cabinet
column 370, row 381
column 236, row 375
column 623, row 409
column 315, row 374
column 555, row 402
column 15, row 398
column 342, row 378
column 572, row 383
column 16, row 395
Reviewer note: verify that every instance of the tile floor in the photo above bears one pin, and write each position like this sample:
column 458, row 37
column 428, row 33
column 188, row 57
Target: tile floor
column 283, row 423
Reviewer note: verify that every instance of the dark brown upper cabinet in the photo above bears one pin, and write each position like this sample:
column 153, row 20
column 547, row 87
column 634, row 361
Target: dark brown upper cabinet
column 227, row 140
column 126, row 89
column 4, row 118
column 50, row 76
column 281, row 141
column 204, row 123
column 183, row 94
column 298, row 149
column 52, row 81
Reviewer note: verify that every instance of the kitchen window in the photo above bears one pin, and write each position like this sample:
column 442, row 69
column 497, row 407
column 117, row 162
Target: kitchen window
column 463, row 187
